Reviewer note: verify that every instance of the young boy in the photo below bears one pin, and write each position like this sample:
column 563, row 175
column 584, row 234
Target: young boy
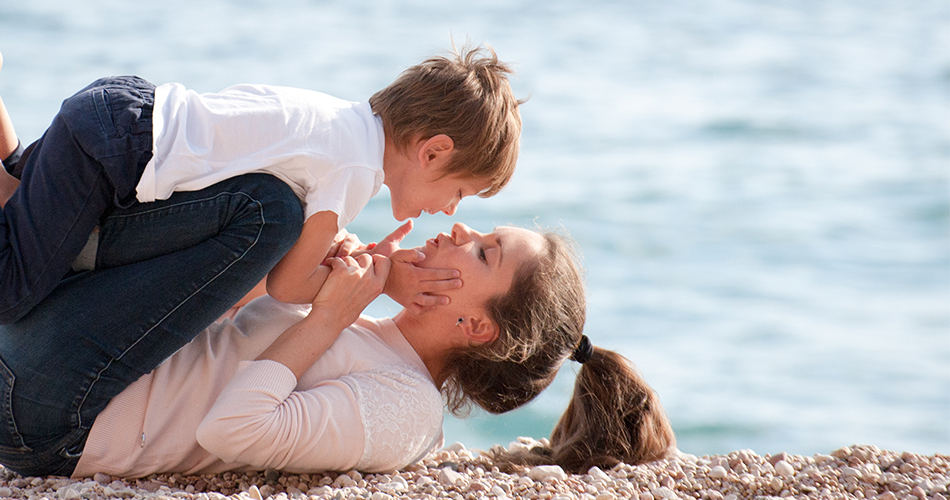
column 445, row 129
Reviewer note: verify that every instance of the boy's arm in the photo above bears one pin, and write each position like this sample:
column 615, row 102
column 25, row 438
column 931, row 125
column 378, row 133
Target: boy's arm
column 298, row 276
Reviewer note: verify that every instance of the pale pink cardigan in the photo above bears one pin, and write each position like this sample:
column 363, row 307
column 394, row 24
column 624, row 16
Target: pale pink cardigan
column 368, row 404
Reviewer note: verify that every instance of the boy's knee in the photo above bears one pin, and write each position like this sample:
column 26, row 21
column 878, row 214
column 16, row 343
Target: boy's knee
column 282, row 210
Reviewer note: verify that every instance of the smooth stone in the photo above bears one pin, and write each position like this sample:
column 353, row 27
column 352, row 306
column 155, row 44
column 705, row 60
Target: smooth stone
column 784, row 468
column 393, row 487
column 150, row 486
column 455, row 447
column 266, row 491
column 542, row 472
column 449, row 477
column 598, row 474
column 664, row 492
column 319, row 491
column 255, row 493
column 776, row 484
column 774, row 459
column 718, row 472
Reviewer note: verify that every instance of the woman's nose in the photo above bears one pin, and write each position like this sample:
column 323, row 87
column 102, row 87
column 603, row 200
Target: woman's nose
column 461, row 233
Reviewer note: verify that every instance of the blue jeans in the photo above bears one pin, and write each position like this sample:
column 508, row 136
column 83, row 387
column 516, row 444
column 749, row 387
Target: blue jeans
column 164, row 272
column 86, row 164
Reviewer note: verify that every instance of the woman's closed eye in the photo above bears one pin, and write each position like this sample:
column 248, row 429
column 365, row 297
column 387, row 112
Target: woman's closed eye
column 481, row 255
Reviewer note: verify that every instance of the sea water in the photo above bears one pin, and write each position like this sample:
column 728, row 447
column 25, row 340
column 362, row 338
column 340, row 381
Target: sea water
column 759, row 189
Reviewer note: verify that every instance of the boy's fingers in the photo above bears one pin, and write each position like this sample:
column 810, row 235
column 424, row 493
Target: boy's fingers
column 400, row 233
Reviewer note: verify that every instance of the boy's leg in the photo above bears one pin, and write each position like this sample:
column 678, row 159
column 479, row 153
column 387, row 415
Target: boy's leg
column 99, row 331
column 87, row 162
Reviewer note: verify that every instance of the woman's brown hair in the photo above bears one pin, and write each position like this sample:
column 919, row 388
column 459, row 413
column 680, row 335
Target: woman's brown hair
column 614, row 416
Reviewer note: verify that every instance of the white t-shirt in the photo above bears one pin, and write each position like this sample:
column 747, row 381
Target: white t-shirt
column 330, row 151
column 368, row 404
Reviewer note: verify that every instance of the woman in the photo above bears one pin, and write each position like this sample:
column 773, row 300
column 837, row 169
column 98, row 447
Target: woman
column 305, row 391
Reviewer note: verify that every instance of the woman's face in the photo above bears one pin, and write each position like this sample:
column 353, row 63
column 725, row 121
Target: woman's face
column 487, row 262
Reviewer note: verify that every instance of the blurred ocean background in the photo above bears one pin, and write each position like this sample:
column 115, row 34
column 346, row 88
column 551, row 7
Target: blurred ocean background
column 761, row 190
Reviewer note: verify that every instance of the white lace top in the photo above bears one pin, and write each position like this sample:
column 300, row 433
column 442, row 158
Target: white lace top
column 368, row 404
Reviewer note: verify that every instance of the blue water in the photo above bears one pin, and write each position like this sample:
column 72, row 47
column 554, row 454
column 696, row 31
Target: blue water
column 761, row 190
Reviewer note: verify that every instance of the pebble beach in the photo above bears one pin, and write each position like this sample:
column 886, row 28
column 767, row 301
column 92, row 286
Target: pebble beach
column 455, row 472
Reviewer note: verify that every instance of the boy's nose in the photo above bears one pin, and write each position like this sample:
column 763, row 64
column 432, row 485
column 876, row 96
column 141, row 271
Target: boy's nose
column 450, row 210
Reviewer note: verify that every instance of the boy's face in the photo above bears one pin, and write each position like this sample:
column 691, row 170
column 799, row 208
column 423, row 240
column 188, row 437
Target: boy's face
column 432, row 194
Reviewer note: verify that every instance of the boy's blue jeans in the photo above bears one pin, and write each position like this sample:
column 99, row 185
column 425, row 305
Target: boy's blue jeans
column 165, row 270
column 86, row 164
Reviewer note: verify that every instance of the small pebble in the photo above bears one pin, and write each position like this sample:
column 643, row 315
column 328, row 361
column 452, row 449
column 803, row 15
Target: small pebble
column 449, row 477
column 542, row 472
column 664, row 493
column 784, row 468
column 858, row 472
column 254, row 493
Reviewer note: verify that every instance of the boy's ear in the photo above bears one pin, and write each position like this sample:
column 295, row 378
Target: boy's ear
column 436, row 151
column 479, row 330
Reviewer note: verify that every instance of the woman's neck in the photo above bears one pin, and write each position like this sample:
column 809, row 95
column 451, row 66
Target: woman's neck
column 428, row 342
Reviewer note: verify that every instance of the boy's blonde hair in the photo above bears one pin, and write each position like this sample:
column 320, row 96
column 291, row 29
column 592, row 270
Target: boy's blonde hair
column 466, row 97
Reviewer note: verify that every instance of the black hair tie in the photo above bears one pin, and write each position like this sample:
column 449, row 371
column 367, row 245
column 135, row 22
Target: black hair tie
column 584, row 350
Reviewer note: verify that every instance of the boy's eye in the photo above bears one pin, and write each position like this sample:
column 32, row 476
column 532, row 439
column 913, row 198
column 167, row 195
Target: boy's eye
column 459, row 194
column 481, row 255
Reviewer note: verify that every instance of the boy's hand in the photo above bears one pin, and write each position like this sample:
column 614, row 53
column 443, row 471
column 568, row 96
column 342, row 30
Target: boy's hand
column 390, row 243
column 415, row 288
column 352, row 284
column 345, row 243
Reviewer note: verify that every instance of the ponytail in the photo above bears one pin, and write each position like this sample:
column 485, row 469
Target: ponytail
column 613, row 417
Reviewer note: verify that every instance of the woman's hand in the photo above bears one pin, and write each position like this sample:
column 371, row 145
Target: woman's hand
column 411, row 286
column 353, row 283
column 417, row 288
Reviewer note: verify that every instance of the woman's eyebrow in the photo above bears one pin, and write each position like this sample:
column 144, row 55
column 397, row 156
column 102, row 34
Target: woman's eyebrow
column 501, row 251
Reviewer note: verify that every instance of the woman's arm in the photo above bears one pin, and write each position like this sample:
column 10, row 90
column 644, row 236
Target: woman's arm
column 351, row 285
column 260, row 420
column 373, row 421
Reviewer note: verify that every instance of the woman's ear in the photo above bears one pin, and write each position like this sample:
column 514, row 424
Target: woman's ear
column 478, row 329
column 436, row 151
